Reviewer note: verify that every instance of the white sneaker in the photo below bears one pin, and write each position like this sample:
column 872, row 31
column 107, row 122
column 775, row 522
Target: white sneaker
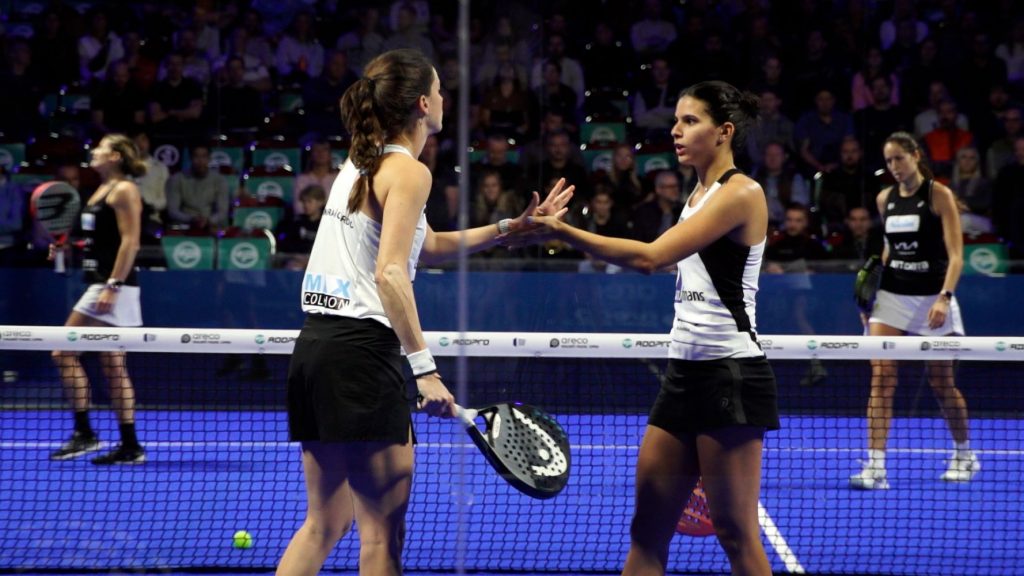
column 961, row 469
column 869, row 479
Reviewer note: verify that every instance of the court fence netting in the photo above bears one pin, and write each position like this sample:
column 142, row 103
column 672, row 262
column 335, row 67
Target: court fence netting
column 211, row 416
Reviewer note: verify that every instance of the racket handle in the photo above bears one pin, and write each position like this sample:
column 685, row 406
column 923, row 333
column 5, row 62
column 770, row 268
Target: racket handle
column 58, row 259
column 465, row 415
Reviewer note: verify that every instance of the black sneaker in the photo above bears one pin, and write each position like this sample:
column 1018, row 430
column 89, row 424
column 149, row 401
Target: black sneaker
column 122, row 455
column 77, row 445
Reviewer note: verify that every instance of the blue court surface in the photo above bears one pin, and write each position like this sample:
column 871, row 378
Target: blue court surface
column 212, row 472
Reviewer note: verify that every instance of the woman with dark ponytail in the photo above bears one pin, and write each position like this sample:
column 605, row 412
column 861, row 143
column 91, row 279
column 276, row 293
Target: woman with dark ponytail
column 111, row 225
column 719, row 395
column 346, row 391
column 923, row 258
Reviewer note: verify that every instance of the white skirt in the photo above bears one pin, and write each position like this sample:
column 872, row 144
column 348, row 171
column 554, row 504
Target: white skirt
column 126, row 312
column 910, row 314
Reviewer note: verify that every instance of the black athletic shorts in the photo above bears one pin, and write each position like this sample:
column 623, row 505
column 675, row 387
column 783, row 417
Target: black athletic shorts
column 346, row 383
column 702, row 395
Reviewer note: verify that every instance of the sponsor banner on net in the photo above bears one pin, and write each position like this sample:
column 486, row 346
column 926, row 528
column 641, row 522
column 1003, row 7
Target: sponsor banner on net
column 273, row 339
column 446, row 341
column 1009, row 346
column 19, row 335
column 944, row 345
column 204, row 338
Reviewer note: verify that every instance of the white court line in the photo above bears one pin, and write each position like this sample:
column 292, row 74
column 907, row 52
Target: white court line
column 771, row 531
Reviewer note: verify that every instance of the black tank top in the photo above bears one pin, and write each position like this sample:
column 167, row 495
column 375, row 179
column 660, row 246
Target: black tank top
column 101, row 241
column 917, row 253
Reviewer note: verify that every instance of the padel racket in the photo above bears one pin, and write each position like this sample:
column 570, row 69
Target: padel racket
column 524, row 444
column 865, row 287
column 55, row 206
column 696, row 518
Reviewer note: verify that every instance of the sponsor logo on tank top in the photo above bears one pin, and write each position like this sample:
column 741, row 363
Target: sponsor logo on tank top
column 326, row 291
column 903, row 223
column 921, row 266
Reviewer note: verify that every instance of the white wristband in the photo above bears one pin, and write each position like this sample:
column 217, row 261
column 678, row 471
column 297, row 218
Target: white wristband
column 422, row 363
column 503, row 225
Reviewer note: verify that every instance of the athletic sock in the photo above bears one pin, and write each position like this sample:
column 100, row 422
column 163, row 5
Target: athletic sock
column 962, row 449
column 82, row 425
column 128, row 438
column 876, row 459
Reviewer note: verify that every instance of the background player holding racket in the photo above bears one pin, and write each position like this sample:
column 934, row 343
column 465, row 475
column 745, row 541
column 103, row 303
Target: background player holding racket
column 719, row 393
column 346, row 391
column 923, row 257
column 111, row 225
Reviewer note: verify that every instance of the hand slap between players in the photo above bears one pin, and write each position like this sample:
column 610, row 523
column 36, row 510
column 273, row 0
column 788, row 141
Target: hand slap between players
column 555, row 205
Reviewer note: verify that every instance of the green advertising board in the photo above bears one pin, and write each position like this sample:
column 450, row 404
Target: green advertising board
column 255, row 217
column 986, row 259
column 188, row 252
column 243, row 254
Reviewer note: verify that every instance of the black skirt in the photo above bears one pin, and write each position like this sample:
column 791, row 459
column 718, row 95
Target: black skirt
column 346, row 383
column 703, row 395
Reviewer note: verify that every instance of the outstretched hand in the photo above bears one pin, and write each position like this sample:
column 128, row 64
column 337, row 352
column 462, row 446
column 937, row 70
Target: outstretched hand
column 526, row 228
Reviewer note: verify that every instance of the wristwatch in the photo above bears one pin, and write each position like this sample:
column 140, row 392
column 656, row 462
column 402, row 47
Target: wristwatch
column 113, row 285
column 947, row 294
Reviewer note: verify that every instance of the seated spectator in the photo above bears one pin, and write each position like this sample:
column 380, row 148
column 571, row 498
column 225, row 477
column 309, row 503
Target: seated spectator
column 558, row 163
column 195, row 63
column 928, row 119
column 299, row 54
column 973, row 191
column 443, row 202
column 782, row 184
column 153, row 188
column 406, row 34
column 850, row 186
column 654, row 104
column 553, row 94
column 207, row 34
column 627, row 190
column 118, row 105
column 570, row 71
column 928, row 68
column 874, row 123
column 652, row 218
column 299, row 233
column 860, row 238
column 199, row 198
column 363, row 43
column 234, row 105
column 491, row 204
column 321, row 96
column 943, row 143
column 861, row 92
column 819, row 132
column 497, row 158
column 789, row 249
column 177, row 102
column 653, row 32
column 1000, row 153
column 256, row 73
column 257, row 44
column 770, row 126
column 600, row 216
column 320, row 171
column 500, row 55
column 501, row 46
column 98, row 47
column 1011, row 52
column 505, row 106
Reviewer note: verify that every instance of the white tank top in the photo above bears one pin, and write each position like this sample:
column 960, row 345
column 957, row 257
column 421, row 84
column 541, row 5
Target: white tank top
column 339, row 277
column 714, row 297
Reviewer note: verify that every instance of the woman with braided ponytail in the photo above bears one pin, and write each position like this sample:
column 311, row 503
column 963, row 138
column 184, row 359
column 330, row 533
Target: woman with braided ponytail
column 346, row 392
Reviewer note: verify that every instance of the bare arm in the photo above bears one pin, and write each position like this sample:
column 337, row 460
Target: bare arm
column 402, row 208
column 880, row 202
column 738, row 210
column 944, row 204
column 440, row 246
column 127, row 204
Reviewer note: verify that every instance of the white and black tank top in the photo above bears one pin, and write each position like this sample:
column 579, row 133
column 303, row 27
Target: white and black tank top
column 714, row 298
column 917, row 252
column 339, row 278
